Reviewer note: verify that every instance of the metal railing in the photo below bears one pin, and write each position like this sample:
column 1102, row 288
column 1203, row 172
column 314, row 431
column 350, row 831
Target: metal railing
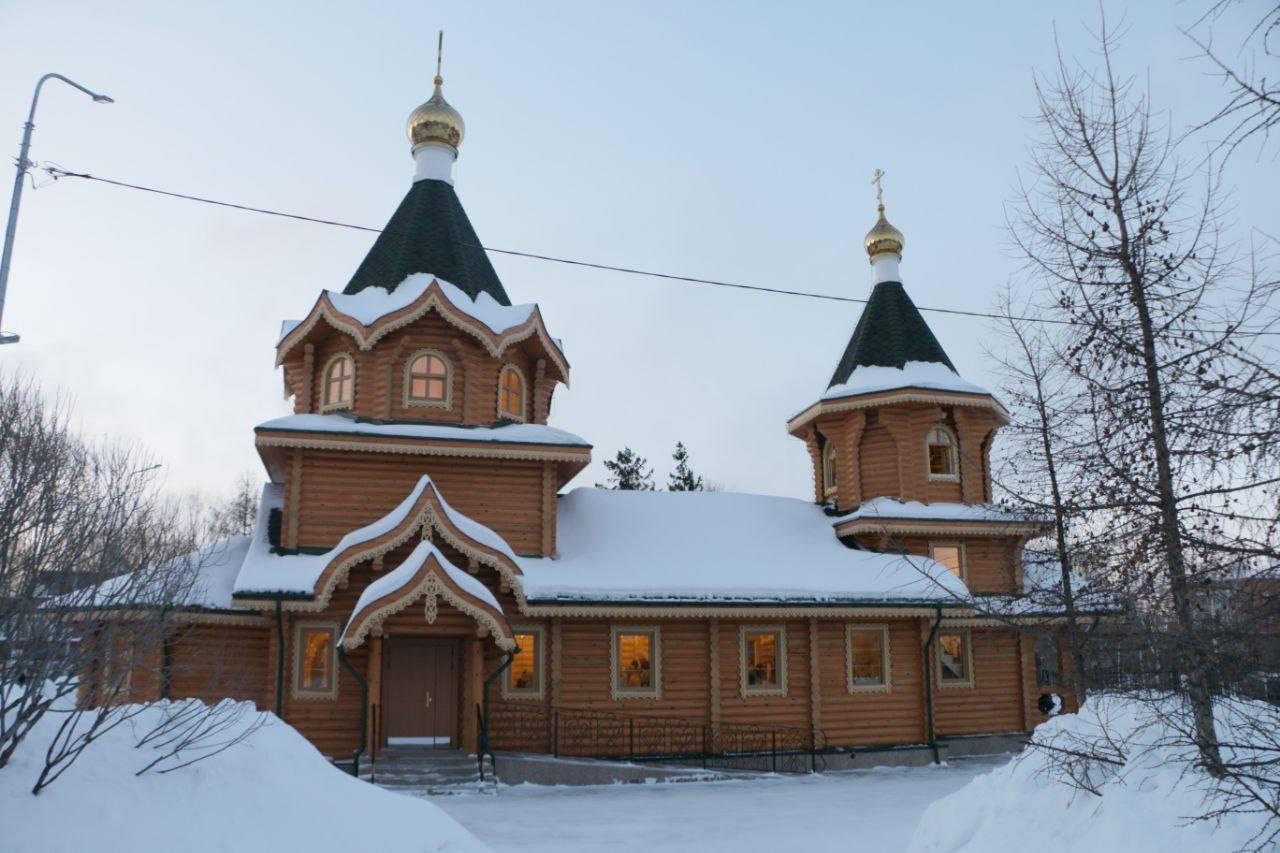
column 636, row 738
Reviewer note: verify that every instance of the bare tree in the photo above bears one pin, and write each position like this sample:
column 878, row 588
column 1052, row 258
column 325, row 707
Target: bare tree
column 1252, row 106
column 1161, row 332
column 237, row 515
column 93, row 562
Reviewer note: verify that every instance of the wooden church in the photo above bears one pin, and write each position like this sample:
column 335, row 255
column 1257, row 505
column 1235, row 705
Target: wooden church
column 424, row 571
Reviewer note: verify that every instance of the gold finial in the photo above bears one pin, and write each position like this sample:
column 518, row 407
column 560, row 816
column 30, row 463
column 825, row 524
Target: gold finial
column 436, row 121
column 883, row 238
column 439, row 57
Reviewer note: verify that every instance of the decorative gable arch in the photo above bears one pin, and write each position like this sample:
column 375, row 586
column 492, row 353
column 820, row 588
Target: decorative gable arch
column 426, row 575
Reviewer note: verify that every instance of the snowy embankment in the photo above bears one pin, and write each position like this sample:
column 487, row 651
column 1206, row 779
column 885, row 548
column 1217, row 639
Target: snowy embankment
column 1150, row 800
column 272, row 791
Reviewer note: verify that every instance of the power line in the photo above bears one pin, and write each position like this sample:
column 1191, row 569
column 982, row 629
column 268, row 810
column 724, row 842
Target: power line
column 58, row 172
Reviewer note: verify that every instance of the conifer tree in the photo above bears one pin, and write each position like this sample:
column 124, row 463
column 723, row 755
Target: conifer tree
column 628, row 472
column 682, row 479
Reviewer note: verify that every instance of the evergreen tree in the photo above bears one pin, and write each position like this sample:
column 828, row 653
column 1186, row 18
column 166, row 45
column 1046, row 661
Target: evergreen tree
column 628, row 471
column 682, row 479
column 237, row 515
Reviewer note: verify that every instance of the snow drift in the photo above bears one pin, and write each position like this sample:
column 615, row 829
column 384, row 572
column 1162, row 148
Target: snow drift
column 273, row 791
column 1149, row 802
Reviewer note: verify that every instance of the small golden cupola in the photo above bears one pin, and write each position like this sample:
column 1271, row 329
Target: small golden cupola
column 436, row 122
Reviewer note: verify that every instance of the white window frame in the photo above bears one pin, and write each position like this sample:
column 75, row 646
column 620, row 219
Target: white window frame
column 964, row 557
column 524, row 395
column 412, row 402
column 747, row 690
column 953, row 477
column 539, row 665
column 886, row 658
column 829, row 469
column 325, row 405
column 297, row 690
column 952, row 684
column 654, row 690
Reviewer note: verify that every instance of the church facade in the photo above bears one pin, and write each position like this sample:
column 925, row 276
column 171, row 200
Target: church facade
column 422, row 570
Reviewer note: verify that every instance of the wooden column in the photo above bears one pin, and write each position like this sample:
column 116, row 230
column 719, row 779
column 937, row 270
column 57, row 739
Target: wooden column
column 815, row 456
column 548, row 509
column 973, row 428
column 815, row 677
column 306, row 394
column 292, row 498
column 910, row 458
column 375, row 689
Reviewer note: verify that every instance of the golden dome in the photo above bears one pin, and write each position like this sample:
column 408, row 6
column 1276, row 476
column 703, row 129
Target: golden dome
column 883, row 238
column 436, row 122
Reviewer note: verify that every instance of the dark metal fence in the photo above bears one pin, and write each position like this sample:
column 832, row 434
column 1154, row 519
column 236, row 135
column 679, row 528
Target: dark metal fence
column 621, row 737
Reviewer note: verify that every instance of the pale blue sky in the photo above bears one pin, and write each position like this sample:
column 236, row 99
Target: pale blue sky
column 728, row 140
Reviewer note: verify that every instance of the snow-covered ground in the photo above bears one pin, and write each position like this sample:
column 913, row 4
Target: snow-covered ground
column 1150, row 793
column 873, row 810
column 272, row 792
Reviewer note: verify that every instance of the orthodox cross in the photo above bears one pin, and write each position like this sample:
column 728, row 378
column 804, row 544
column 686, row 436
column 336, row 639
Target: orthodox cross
column 875, row 179
column 439, row 55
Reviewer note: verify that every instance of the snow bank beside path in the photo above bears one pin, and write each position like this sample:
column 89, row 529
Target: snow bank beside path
column 1148, row 805
column 272, row 792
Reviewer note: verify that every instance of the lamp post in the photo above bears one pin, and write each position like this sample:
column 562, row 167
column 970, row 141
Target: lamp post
column 23, row 165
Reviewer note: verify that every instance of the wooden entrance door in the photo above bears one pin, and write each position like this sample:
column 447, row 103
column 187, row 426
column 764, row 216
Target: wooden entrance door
column 420, row 691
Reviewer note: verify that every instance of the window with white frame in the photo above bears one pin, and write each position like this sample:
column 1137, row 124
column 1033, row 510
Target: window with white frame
column 524, row 676
column 427, row 380
column 828, row 468
column 763, row 660
column 635, row 658
column 339, row 390
column 315, row 661
column 868, row 653
column 949, row 554
column 955, row 659
column 943, row 454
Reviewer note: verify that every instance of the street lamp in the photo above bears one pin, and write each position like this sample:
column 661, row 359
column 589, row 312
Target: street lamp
column 23, row 165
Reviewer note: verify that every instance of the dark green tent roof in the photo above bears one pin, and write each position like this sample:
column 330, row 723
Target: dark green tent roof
column 429, row 233
column 890, row 333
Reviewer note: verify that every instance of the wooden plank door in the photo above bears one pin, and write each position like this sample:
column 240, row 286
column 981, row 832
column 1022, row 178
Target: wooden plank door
column 420, row 691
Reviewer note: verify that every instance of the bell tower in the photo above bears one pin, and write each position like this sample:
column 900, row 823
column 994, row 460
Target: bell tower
column 896, row 419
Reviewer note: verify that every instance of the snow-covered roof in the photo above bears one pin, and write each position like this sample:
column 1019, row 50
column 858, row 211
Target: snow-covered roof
column 405, row 572
column 929, row 375
column 348, row 425
column 718, row 547
column 373, row 303
column 892, row 509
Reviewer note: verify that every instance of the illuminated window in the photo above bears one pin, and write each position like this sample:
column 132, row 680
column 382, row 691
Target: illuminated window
column 955, row 659
column 868, row 647
column 427, row 380
column 316, row 662
column 511, row 393
column 829, row 467
column 524, row 676
column 950, row 555
column 339, row 383
column 763, row 661
column 943, row 463
column 636, row 665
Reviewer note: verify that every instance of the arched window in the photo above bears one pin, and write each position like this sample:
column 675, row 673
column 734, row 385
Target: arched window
column 427, row 380
column 339, row 383
column 828, row 467
column 943, row 460
column 511, row 393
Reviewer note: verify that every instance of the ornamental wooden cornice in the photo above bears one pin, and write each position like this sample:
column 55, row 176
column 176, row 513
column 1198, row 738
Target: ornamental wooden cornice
column 408, row 445
column 898, row 395
column 942, row 526
column 431, row 582
column 712, row 611
column 432, row 299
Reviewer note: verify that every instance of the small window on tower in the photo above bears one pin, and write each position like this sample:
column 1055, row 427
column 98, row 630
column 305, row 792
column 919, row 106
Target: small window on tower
column 339, row 383
column 511, row 393
column 829, row 468
column 943, row 462
column 427, row 381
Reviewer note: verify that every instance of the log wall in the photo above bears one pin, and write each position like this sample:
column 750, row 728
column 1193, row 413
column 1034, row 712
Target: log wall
column 995, row 702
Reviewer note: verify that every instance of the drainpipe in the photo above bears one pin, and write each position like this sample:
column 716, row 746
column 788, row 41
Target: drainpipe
column 928, row 681
column 279, row 659
column 482, row 748
column 364, row 708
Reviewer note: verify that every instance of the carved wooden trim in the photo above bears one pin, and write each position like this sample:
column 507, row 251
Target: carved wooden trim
column 478, row 449
column 845, row 404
